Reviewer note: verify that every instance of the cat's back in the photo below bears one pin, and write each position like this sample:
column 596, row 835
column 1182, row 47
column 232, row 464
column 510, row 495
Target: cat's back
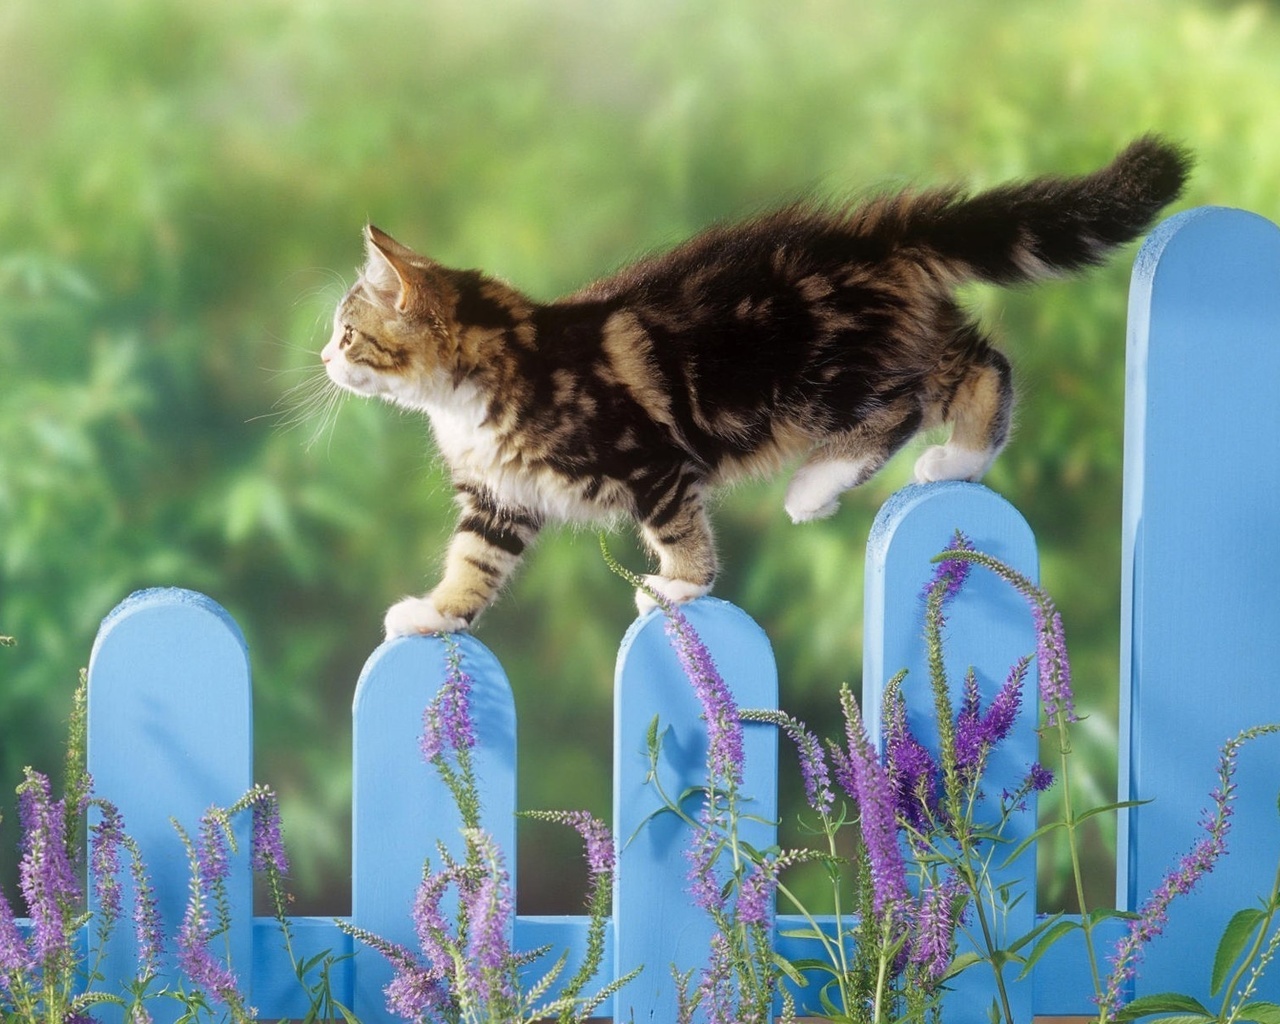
column 752, row 257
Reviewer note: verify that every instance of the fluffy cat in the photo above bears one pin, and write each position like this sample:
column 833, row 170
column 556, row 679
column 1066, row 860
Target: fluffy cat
column 821, row 332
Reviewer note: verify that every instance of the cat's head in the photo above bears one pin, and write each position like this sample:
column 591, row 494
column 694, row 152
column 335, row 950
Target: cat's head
column 393, row 332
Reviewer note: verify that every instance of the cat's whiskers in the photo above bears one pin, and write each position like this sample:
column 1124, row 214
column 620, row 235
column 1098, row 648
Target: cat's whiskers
column 314, row 398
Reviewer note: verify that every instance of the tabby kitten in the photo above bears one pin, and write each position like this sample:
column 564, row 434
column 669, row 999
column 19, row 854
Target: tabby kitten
column 827, row 333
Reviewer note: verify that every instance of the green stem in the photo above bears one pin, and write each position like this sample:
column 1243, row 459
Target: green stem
column 1073, row 845
column 1229, row 1012
column 885, row 957
column 988, row 939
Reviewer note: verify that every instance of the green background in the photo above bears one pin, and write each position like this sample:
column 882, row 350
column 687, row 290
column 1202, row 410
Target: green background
column 182, row 188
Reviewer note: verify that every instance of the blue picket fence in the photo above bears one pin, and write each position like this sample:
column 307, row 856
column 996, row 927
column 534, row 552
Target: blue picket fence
column 170, row 722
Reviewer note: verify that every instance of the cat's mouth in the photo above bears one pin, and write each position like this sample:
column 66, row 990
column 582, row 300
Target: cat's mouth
column 351, row 377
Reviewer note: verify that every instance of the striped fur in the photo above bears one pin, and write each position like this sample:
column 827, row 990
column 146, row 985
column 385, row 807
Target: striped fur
column 824, row 334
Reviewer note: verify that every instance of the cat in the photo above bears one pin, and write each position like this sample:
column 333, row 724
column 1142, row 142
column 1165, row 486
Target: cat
column 824, row 333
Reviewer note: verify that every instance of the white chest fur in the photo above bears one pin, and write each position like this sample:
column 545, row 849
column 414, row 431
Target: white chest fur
column 481, row 451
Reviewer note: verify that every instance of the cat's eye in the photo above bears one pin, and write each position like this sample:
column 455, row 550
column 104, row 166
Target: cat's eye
column 348, row 336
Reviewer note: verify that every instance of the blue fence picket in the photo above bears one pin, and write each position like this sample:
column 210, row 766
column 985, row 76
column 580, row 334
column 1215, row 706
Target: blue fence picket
column 1200, row 644
column 169, row 736
column 400, row 808
column 656, row 924
column 989, row 629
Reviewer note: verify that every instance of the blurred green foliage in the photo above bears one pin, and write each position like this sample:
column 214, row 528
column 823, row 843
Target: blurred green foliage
column 181, row 195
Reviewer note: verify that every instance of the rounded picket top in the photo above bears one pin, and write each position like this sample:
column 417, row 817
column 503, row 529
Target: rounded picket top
column 401, row 810
column 170, row 735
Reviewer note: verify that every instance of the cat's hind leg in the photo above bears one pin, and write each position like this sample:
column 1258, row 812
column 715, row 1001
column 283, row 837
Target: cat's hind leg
column 847, row 460
column 979, row 405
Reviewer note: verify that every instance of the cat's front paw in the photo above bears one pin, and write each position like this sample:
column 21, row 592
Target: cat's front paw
column 415, row 616
column 943, row 462
column 675, row 591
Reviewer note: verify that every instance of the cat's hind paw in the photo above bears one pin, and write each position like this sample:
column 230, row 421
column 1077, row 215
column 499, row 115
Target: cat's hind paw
column 944, row 462
column 415, row 616
column 675, row 591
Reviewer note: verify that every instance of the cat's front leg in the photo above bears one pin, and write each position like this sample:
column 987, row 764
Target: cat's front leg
column 675, row 526
column 486, row 547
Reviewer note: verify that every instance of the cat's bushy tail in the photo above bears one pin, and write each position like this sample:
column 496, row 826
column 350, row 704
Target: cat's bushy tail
column 1028, row 230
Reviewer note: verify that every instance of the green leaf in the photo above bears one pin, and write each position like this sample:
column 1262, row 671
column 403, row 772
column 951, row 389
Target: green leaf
column 961, row 963
column 1046, row 942
column 1232, row 944
column 1164, row 1002
column 1119, row 806
column 1260, row 1012
column 1182, row 1018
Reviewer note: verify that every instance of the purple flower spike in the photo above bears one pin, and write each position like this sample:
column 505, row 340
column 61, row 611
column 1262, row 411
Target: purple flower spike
column 813, row 766
column 755, row 899
column 15, row 958
column 413, row 992
column 724, row 729
column 1054, row 666
column 704, row 886
column 147, row 927
column 267, row 843
column 998, row 722
column 936, row 928
column 45, row 874
column 1039, row 778
column 869, row 783
column 1154, row 913
column 447, row 720
column 951, row 573
column 209, row 874
column 595, row 836
column 105, row 839
column 429, row 922
column 913, row 774
column 489, row 913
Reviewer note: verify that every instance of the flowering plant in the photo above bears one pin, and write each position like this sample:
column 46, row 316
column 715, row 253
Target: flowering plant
column 467, row 970
column 48, row 976
column 922, row 876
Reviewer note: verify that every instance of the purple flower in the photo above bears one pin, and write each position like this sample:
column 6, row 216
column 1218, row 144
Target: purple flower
column 951, row 573
column 446, row 723
column 208, row 881
column 998, row 722
column 429, row 922
column 15, row 958
column 45, row 874
column 913, row 774
column 595, row 836
column 813, row 766
column 1154, row 913
column 146, row 920
column 755, row 897
column 704, row 886
column 935, row 927
column 413, row 992
column 267, row 843
column 716, row 989
column 1054, row 666
column 977, row 732
column 724, row 730
column 105, row 839
column 489, row 912
column 866, row 781
column 1039, row 778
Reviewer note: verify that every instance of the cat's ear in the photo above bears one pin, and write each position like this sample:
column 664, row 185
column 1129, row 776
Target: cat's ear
column 389, row 268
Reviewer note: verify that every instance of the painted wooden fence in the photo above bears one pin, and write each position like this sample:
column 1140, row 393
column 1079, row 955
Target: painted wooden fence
column 170, row 724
